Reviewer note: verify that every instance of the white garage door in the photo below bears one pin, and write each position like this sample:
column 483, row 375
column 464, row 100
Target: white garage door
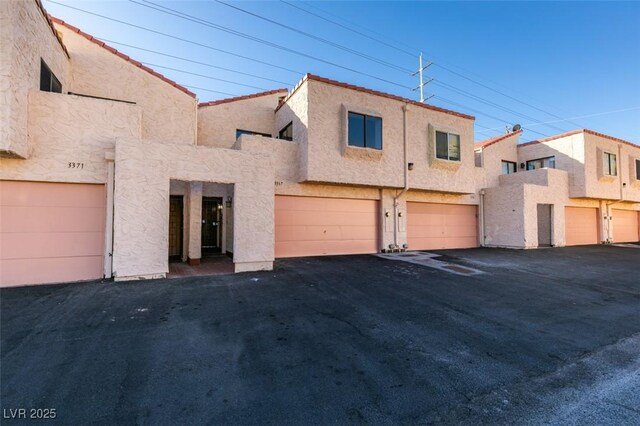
column 312, row 226
column 51, row 232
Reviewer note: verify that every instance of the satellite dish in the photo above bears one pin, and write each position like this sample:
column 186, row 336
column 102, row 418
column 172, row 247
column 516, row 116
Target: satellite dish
column 516, row 128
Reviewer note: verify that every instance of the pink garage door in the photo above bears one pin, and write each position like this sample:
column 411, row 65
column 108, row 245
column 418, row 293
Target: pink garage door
column 310, row 226
column 433, row 226
column 580, row 226
column 625, row 226
column 50, row 232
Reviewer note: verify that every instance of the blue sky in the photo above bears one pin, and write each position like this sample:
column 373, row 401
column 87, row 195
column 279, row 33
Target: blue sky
column 553, row 60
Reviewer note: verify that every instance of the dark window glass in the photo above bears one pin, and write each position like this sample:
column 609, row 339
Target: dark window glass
column 638, row 169
column 609, row 163
column 541, row 163
column 356, row 129
column 508, row 167
column 373, row 132
column 447, row 146
column 287, row 132
column 477, row 155
column 240, row 132
column 48, row 81
column 442, row 145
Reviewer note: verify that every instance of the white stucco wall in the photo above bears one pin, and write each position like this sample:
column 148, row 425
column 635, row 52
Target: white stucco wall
column 169, row 114
column 327, row 160
column 602, row 186
column 67, row 129
column 217, row 124
column 569, row 152
column 494, row 154
column 25, row 37
column 142, row 187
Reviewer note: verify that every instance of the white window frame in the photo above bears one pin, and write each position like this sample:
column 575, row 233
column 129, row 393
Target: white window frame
column 435, row 151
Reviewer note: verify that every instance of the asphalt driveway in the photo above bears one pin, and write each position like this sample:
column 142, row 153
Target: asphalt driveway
column 541, row 336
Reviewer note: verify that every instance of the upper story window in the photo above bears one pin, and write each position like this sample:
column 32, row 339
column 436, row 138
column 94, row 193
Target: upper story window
column 637, row 169
column 477, row 158
column 240, row 132
column 609, row 164
column 287, row 132
column 447, row 146
column 365, row 131
column 48, row 81
column 509, row 167
column 542, row 163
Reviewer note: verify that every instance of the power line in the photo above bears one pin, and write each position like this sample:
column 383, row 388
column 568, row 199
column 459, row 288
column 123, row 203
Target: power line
column 584, row 116
column 204, row 76
column 209, row 90
column 317, row 38
column 483, row 113
column 438, row 64
column 493, row 104
column 348, row 28
column 197, row 20
column 195, row 43
column 190, row 60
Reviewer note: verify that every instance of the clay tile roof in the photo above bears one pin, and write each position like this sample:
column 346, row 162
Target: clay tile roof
column 387, row 95
column 577, row 131
column 488, row 142
column 122, row 55
column 241, row 98
column 53, row 29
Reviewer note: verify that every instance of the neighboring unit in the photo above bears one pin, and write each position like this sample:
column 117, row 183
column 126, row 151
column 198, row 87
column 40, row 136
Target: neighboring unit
column 577, row 188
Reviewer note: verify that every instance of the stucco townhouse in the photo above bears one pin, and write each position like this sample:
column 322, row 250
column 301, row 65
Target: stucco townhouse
column 109, row 169
column 576, row 188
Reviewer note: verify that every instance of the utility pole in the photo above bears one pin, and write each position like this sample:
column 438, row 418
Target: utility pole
column 423, row 83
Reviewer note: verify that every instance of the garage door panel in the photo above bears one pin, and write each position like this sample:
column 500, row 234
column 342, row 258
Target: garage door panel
column 581, row 226
column 21, row 246
column 40, row 194
column 432, row 226
column 625, row 226
column 310, row 218
column 49, row 270
column 51, row 219
column 51, row 232
column 309, row 226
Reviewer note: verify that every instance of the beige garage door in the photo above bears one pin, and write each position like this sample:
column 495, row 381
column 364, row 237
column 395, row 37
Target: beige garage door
column 50, row 232
column 310, row 226
column 625, row 226
column 581, row 226
column 433, row 226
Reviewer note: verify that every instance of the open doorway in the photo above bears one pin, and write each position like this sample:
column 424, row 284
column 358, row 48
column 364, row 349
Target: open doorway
column 212, row 225
column 176, row 227
column 545, row 227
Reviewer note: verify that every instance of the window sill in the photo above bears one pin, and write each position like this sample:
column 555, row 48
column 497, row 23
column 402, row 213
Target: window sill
column 362, row 153
column 441, row 163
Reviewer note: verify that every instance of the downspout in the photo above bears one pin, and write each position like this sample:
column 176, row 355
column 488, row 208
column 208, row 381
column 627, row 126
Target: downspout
column 396, row 222
column 481, row 218
column 609, row 215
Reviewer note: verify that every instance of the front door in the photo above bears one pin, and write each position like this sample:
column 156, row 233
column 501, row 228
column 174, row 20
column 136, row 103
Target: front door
column 211, row 225
column 175, row 227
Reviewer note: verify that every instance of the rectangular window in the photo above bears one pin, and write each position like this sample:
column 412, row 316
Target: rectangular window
column 447, row 146
column 609, row 166
column 240, row 132
column 287, row 132
column 542, row 163
column 638, row 169
column 477, row 156
column 365, row 131
column 48, row 80
column 508, row 167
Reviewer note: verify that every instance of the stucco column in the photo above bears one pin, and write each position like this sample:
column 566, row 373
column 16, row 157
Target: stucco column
column 195, row 222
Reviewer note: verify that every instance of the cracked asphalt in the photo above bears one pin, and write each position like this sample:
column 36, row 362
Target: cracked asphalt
column 541, row 337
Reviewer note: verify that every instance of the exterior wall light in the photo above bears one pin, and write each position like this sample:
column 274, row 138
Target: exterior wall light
column 410, row 166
